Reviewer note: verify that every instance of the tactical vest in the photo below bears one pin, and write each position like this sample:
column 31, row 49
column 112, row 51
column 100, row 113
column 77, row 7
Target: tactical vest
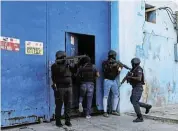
column 87, row 73
column 135, row 82
column 110, row 69
column 62, row 74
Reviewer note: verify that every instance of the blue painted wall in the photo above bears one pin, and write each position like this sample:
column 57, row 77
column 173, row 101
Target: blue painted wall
column 115, row 34
column 26, row 92
column 24, row 87
column 77, row 17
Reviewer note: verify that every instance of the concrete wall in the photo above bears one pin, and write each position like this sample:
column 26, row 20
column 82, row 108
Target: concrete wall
column 154, row 45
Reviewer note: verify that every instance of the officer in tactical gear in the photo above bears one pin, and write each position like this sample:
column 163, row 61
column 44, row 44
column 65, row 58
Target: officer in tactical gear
column 62, row 86
column 136, row 79
column 87, row 74
column 111, row 69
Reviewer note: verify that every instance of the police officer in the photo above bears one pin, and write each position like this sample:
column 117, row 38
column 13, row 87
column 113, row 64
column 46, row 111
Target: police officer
column 136, row 79
column 62, row 85
column 87, row 74
column 111, row 70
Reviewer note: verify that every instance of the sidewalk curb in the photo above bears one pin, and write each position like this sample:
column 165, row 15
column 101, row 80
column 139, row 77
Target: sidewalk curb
column 157, row 118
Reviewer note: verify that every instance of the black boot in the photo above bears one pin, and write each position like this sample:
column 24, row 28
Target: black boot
column 148, row 109
column 58, row 122
column 67, row 123
column 139, row 118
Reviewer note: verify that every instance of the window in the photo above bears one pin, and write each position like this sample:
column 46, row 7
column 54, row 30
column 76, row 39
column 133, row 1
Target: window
column 150, row 13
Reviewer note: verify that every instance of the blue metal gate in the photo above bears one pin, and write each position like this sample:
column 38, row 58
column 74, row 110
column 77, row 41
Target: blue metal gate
column 24, row 85
column 77, row 17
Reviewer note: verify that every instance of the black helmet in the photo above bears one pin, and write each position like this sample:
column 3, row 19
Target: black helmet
column 112, row 53
column 60, row 54
column 135, row 61
column 87, row 59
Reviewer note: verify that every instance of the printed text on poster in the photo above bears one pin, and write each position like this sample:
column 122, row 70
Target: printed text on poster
column 33, row 48
column 10, row 44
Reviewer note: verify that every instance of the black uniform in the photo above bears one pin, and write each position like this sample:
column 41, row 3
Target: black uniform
column 61, row 77
column 137, row 90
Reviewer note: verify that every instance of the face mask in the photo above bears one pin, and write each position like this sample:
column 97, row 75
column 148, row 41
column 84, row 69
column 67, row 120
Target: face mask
column 134, row 65
column 112, row 57
column 62, row 61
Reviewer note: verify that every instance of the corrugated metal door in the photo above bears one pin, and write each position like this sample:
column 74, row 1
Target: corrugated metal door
column 24, row 86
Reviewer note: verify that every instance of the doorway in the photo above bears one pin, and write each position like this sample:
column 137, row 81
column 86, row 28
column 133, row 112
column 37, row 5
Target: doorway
column 86, row 46
column 80, row 44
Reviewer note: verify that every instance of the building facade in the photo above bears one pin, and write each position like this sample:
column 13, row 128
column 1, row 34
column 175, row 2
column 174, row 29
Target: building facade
column 153, row 41
column 32, row 32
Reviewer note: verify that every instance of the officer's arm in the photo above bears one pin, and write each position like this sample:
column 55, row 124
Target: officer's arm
column 97, row 74
column 96, row 71
column 103, row 66
column 72, row 65
column 78, row 74
column 138, row 76
column 52, row 76
column 123, row 65
column 119, row 69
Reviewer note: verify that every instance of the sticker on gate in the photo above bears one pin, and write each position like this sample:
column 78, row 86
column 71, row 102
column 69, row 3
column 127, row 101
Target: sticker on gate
column 72, row 40
column 10, row 44
column 33, row 48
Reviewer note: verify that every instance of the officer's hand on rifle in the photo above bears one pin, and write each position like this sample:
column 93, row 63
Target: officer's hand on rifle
column 119, row 69
column 54, row 87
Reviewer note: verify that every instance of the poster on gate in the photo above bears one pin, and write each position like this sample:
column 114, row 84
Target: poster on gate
column 33, row 48
column 10, row 44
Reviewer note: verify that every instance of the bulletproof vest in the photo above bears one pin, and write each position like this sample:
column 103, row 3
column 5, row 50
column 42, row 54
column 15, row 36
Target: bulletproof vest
column 62, row 74
column 135, row 82
column 110, row 69
column 87, row 73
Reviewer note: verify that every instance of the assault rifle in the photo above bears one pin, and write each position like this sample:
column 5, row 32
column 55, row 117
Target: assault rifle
column 123, row 65
column 119, row 64
column 72, row 58
column 130, row 73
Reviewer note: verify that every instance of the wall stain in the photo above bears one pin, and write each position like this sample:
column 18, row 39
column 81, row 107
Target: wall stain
column 145, row 92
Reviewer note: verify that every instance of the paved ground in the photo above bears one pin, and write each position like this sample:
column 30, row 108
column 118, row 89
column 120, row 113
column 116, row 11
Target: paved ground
column 167, row 113
column 99, row 123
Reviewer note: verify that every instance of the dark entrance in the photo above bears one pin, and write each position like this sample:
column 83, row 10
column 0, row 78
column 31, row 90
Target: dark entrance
column 80, row 44
column 86, row 45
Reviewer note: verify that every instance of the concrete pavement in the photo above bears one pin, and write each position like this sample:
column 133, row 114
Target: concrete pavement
column 99, row 123
column 168, row 113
